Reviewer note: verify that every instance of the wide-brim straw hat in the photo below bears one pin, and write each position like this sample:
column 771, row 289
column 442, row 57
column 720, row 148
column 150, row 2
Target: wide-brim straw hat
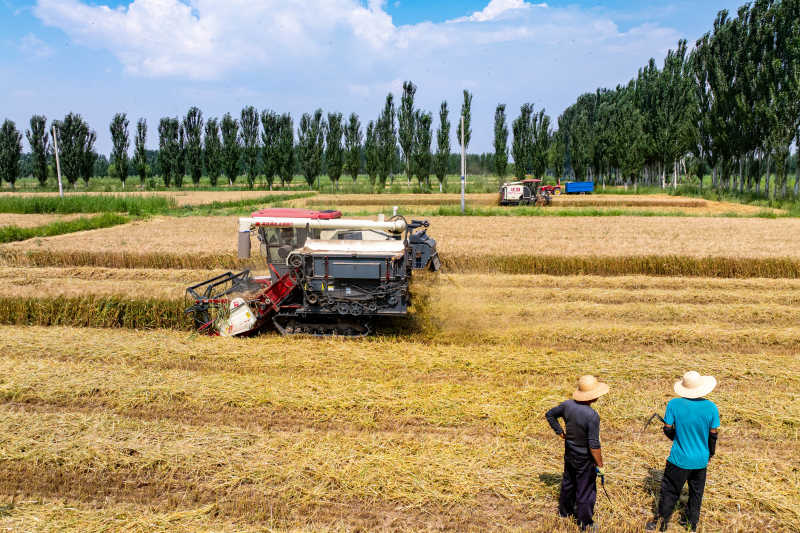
column 589, row 388
column 693, row 385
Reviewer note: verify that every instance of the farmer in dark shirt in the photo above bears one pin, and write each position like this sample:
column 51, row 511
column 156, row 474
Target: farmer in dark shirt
column 691, row 422
column 583, row 458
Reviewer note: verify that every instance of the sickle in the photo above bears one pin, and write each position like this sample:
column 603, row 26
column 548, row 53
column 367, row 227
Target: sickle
column 603, row 484
column 649, row 420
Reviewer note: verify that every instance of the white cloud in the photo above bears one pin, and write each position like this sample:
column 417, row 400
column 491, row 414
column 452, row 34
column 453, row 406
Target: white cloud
column 32, row 46
column 496, row 8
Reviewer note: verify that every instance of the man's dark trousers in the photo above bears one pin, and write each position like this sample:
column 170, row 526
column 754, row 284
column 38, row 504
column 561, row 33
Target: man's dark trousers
column 671, row 486
column 578, row 489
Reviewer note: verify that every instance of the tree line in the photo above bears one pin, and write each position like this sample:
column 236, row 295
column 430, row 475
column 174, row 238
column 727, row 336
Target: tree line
column 729, row 107
column 254, row 144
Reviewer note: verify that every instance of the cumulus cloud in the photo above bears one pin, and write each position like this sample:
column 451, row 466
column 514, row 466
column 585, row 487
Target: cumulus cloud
column 207, row 39
column 346, row 54
column 497, row 8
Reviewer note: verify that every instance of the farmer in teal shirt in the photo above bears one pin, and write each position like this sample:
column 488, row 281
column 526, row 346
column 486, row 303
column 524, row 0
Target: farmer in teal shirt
column 692, row 424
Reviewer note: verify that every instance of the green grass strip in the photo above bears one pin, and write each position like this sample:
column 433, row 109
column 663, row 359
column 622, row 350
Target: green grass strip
column 106, row 220
column 87, row 203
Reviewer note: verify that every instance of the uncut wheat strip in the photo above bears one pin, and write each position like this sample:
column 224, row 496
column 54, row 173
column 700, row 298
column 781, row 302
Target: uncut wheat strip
column 105, row 274
column 93, row 310
column 760, row 287
column 672, row 266
column 651, row 265
column 49, row 287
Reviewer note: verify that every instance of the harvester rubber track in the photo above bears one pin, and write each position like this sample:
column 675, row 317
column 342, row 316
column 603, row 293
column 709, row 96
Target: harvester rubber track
column 291, row 324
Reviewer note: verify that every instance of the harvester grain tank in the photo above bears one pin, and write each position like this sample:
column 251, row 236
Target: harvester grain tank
column 328, row 275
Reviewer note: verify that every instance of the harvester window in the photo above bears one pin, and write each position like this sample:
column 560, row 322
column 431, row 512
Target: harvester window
column 277, row 243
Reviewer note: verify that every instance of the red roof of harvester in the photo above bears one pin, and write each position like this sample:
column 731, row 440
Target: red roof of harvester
column 291, row 212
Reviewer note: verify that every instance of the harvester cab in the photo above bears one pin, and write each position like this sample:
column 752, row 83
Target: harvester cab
column 327, row 275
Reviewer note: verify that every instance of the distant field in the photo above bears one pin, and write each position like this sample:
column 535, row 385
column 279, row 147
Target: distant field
column 655, row 202
column 480, row 236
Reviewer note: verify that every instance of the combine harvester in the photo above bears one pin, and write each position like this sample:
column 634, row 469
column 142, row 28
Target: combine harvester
column 531, row 191
column 328, row 275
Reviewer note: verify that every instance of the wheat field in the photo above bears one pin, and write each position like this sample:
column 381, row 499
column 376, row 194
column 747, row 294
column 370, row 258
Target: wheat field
column 115, row 416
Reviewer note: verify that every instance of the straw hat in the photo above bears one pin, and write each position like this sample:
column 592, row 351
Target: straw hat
column 693, row 385
column 589, row 388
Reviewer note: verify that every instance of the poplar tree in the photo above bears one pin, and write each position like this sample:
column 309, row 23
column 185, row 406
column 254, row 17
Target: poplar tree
column 286, row 151
column 179, row 159
column 406, row 119
column 88, row 155
column 121, row 142
column 386, row 137
column 140, row 151
column 72, row 135
column 334, row 153
column 10, row 152
column 193, row 128
column 249, row 134
column 421, row 156
column 500, row 141
column 212, row 151
column 270, row 145
column 371, row 153
column 230, row 147
column 540, row 143
column 166, row 149
column 466, row 112
column 442, row 158
column 310, row 145
column 522, row 144
column 352, row 142
column 40, row 148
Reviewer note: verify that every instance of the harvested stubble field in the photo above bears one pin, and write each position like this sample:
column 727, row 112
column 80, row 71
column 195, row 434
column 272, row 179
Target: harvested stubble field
column 437, row 427
column 688, row 246
column 434, row 424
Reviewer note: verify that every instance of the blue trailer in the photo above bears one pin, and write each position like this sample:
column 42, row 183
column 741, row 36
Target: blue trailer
column 579, row 187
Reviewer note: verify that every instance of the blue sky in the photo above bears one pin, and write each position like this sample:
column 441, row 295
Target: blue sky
column 153, row 58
